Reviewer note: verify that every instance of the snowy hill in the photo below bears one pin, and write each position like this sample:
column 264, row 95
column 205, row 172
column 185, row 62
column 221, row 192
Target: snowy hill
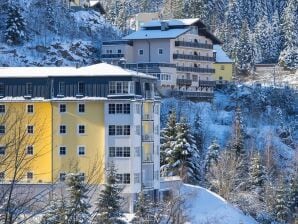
column 204, row 206
column 54, row 35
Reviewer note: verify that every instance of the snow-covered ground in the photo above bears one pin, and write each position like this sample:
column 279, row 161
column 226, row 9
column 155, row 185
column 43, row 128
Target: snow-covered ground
column 206, row 207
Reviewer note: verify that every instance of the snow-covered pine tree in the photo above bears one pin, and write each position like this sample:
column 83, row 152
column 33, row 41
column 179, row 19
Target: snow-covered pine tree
column 198, row 133
column 245, row 56
column 144, row 212
column 289, row 55
column 109, row 201
column 293, row 194
column 281, row 209
column 212, row 156
column 57, row 212
column 193, row 8
column 183, row 159
column 275, row 43
column 77, row 201
column 168, row 135
column 234, row 18
column 257, row 174
column 15, row 26
column 173, row 9
column 237, row 144
column 262, row 39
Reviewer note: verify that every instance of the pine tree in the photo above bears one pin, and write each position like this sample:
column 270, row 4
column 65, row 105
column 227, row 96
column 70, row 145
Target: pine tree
column 168, row 135
column 289, row 55
column 77, row 206
column 245, row 57
column 183, row 159
column 257, row 174
column 56, row 213
column 198, row 133
column 237, row 144
column 144, row 209
column 262, row 39
column 15, row 26
column 293, row 194
column 173, row 9
column 281, row 208
column 212, row 156
column 275, row 41
column 109, row 201
column 234, row 18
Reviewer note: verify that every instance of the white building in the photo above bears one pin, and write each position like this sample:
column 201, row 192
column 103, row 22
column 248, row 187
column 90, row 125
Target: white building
column 178, row 52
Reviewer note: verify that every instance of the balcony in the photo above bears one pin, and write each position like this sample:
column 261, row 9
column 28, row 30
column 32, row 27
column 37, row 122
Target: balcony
column 207, row 83
column 184, row 82
column 193, row 57
column 112, row 56
column 199, row 95
column 148, row 138
column 193, row 45
column 195, row 69
column 148, row 117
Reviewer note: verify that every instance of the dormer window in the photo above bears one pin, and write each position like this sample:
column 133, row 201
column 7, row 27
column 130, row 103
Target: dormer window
column 121, row 87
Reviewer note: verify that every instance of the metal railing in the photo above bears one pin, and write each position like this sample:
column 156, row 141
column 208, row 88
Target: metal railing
column 193, row 94
column 147, row 137
column 148, row 117
column 112, row 56
column 207, row 83
column 195, row 69
column 193, row 44
column 184, row 82
column 193, row 57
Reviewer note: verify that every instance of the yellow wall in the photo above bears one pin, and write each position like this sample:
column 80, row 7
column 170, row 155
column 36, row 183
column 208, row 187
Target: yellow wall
column 226, row 74
column 92, row 163
column 16, row 120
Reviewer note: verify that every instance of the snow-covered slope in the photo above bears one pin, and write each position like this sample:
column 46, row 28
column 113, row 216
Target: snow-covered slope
column 204, row 207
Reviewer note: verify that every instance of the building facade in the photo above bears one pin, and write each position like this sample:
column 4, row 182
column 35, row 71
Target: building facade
column 223, row 66
column 80, row 120
column 178, row 52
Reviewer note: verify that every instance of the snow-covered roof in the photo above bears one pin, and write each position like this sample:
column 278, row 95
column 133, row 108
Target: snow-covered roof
column 155, row 34
column 221, row 56
column 97, row 70
column 172, row 22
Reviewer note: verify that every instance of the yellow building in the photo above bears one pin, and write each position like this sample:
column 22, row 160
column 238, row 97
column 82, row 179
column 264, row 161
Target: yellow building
column 78, row 138
column 223, row 66
column 26, row 140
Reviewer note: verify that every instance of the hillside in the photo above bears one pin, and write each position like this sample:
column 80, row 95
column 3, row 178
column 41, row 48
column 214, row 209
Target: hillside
column 54, row 35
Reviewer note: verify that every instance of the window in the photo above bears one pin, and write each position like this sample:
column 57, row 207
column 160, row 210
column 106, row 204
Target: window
column 61, row 90
column 2, row 176
column 81, row 88
column 112, row 108
column 119, row 51
column 119, row 130
column 30, row 109
column 81, row 150
column 62, row 129
column 62, row 108
column 126, row 130
column 30, row 129
column 126, row 151
column 112, row 87
column 119, row 152
column 112, row 152
column 137, row 178
column 112, row 130
column 160, row 51
column 29, row 89
column 121, row 87
column 29, row 175
column 30, row 150
column 109, row 51
column 62, row 176
column 141, row 51
column 194, row 78
column 81, row 129
column 126, row 178
column 62, row 151
column 81, row 108
column 2, row 89
column 123, row 178
column 119, row 108
column 2, row 129
column 222, row 67
column 2, row 150
column 125, row 87
column 126, row 108
column 2, row 109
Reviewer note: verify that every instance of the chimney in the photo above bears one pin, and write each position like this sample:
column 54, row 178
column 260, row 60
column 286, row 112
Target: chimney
column 164, row 26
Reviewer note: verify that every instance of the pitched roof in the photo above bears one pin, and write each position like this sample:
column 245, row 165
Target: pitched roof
column 156, row 34
column 96, row 70
column 172, row 22
column 221, row 56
